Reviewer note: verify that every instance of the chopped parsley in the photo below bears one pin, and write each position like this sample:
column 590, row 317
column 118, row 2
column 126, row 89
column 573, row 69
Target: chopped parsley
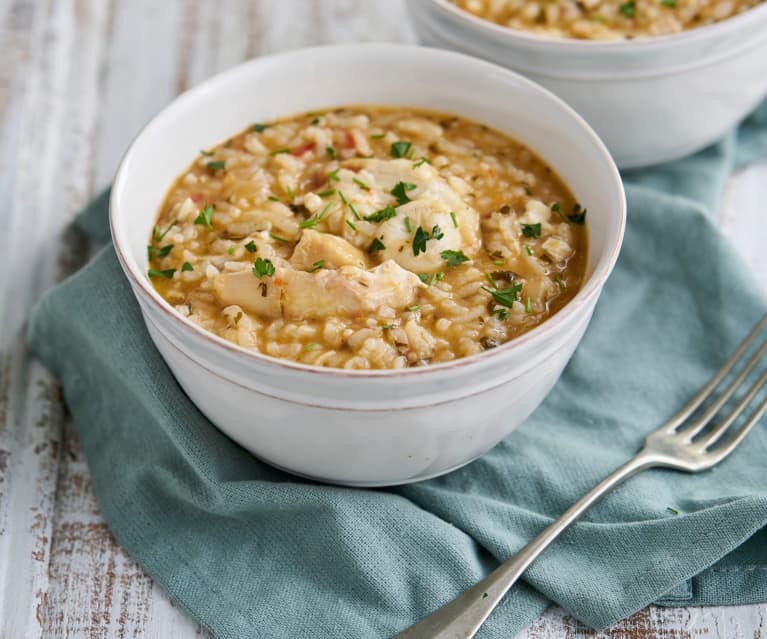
column 159, row 236
column 671, row 4
column 628, row 9
column 376, row 245
column 327, row 193
column 273, row 198
column 361, row 184
column 436, row 232
column 419, row 241
column 452, row 217
column 331, row 152
column 436, row 277
column 453, row 258
column 258, row 128
column 400, row 149
column 408, row 226
column 206, row 153
column 498, row 262
column 377, row 136
column 400, row 192
column 263, row 267
column 159, row 252
column 167, row 273
column 423, row 277
column 333, row 175
column 279, row 151
column 230, row 250
column 315, row 120
column 278, row 238
column 505, row 297
column 414, row 308
column 531, row 230
column 186, row 266
column 317, row 266
column 501, row 313
column 214, row 166
column 251, row 247
column 290, row 193
column 578, row 216
column 423, row 160
column 562, row 284
column 379, row 216
column 205, row 216
column 351, row 225
column 528, row 304
column 310, row 346
column 528, row 250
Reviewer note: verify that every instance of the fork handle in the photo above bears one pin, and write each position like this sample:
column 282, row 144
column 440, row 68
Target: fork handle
column 462, row 617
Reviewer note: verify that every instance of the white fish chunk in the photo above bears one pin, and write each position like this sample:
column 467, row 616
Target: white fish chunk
column 332, row 250
column 256, row 295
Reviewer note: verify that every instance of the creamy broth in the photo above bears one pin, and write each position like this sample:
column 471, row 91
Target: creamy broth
column 368, row 237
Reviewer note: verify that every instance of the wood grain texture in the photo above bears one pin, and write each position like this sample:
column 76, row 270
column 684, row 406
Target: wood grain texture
column 78, row 78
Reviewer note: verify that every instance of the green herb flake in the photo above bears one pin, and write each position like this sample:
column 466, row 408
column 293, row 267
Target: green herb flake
column 230, row 250
column 279, row 151
column 376, row 245
column 279, row 239
column 528, row 250
column 490, row 279
column 205, row 216
column 673, row 511
column 327, row 193
column 377, row 136
column 400, row 192
column 317, row 266
column 528, row 305
column 158, row 236
column 206, row 153
column 436, row 232
column 436, row 278
column 671, row 4
column 343, row 198
column 531, row 230
column 452, row 217
column 263, row 267
column 163, row 251
column 354, row 211
column 399, row 149
column 258, row 128
column 562, row 284
column 310, row 223
column 507, row 296
column 351, row 225
column 628, row 9
column 251, row 247
column 361, row 184
column 290, row 193
column 379, row 216
column 500, row 313
column 315, row 120
column 273, row 198
column 414, row 308
column 408, row 226
column 498, row 262
column 423, row 277
column 453, row 258
column 310, row 346
column 333, row 176
column 419, row 241
column 167, row 273
column 331, row 152
column 578, row 216
column 420, row 162
column 186, row 266
column 215, row 166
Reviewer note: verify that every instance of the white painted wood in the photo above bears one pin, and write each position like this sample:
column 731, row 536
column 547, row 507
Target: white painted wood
column 77, row 80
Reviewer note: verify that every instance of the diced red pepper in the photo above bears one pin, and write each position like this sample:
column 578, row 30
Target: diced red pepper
column 196, row 197
column 350, row 142
column 303, row 150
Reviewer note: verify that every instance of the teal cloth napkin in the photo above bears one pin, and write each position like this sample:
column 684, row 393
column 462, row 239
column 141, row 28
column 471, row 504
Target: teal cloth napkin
column 251, row 551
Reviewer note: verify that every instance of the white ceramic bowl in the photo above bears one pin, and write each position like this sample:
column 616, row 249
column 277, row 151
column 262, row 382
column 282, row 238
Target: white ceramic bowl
column 650, row 100
column 356, row 427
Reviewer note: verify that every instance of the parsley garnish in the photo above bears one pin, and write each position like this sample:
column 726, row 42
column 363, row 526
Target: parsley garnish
column 671, row 4
column 531, row 230
column 528, row 250
column 408, row 227
column 279, row 151
column 423, row 277
column 453, row 258
column 628, row 9
column 419, row 241
column 502, row 313
column 333, row 175
column 160, row 252
column 159, row 236
column 400, row 149
column 423, row 160
column 273, row 198
column 168, row 273
column 310, row 346
column 361, row 184
column 205, row 216
column 436, row 232
column 379, row 216
column 400, row 192
column 561, row 282
column 436, row 277
column 214, row 166
column 528, row 305
column 414, row 308
column 578, row 216
column 377, row 136
column 331, row 152
column 505, row 297
column 351, row 225
column 327, row 193
column 206, row 153
column 317, row 266
column 452, row 217
column 263, row 267
column 315, row 120
column 278, row 238
column 260, row 127
column 290, row 193
column 230, row 250
column 376, row 245
column 251, row 247
column 186, row 266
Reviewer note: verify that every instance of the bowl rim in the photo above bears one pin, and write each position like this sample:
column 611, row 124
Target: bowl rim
column 140, row 284
column 709, row 31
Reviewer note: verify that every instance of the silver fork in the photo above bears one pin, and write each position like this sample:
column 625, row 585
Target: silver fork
column 690, row 447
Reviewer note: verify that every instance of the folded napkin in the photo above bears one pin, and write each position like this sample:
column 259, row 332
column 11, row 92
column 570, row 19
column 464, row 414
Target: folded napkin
column 251, row 551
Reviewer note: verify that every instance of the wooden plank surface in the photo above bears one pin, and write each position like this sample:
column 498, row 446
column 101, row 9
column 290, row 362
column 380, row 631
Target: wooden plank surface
column 77, row 80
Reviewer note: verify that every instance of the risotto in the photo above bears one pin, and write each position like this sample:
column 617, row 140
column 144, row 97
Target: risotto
column 604, row 19
column 368, row 237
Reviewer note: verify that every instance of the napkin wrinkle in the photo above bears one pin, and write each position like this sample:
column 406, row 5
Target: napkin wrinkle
column 249, row 550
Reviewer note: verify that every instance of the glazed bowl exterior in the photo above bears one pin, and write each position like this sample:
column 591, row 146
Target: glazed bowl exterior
column 364, row 428
column 650, row 100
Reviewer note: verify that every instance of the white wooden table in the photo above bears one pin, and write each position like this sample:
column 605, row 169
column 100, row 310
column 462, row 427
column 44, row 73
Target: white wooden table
column 77, row 80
